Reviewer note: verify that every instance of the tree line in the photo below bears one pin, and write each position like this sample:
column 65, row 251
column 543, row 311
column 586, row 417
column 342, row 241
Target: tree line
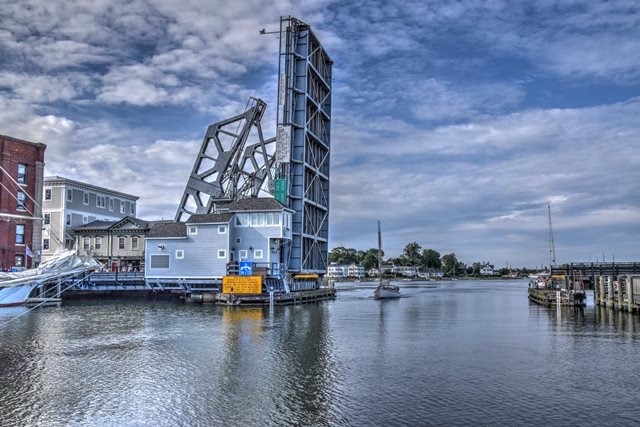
column 413, row 255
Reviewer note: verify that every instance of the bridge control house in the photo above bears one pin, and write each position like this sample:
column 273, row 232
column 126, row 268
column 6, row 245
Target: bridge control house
column 207, row 247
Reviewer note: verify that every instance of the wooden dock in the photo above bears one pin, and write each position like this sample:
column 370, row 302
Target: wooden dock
column 587, row 272
column 279, row 298
column 618, row 293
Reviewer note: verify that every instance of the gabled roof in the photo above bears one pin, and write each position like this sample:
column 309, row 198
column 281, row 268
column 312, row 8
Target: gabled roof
column 95, row 225
column 168, row 229
column 142, row 224
column 210, row 218
column 114, row 225
column 256, row 204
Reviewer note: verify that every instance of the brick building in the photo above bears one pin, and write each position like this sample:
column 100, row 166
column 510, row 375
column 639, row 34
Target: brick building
column 21, row 186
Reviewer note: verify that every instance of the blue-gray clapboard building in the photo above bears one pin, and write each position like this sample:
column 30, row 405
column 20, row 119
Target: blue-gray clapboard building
column 209, row 246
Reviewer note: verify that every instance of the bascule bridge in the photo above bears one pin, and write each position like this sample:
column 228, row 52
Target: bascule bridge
column 236, row 161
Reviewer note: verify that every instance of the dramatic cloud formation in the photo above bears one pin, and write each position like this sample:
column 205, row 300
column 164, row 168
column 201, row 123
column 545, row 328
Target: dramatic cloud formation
column 453, row 123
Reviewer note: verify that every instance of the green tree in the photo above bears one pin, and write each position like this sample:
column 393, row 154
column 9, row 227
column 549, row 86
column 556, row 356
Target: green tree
column 431, row 258
column 370, row 259
column 450, row 264
column 476, row 266
column 342, row 255
column 412, row 254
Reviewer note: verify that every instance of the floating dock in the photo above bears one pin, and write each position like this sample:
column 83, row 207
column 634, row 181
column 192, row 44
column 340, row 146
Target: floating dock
column 295, row 297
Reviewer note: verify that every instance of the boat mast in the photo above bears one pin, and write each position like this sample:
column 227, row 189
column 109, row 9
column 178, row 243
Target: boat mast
column 552, row 248
column 379, row 254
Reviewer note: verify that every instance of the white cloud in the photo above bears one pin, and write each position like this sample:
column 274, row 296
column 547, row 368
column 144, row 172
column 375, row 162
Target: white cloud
column 44, row 89
column 437, row 125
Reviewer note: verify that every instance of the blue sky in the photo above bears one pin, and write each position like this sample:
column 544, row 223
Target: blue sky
column 454, row 123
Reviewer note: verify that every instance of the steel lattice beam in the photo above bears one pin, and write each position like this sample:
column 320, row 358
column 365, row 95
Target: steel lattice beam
column 227, row 168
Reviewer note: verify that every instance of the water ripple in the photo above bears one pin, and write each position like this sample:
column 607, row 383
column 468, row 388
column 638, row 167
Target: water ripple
column 460, row 353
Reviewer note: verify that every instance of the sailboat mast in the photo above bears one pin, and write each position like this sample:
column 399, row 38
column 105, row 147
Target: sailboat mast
column 379, row 253
column 552, row 248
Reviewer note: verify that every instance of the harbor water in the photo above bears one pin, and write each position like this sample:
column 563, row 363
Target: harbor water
column 446, row 353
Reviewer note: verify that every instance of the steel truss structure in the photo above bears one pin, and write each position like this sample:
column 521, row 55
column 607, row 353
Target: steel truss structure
column 304, row 107
column 228, row 168
column 294, row 166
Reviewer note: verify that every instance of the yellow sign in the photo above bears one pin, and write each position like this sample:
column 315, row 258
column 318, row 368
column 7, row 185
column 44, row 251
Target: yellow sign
column 242, row 285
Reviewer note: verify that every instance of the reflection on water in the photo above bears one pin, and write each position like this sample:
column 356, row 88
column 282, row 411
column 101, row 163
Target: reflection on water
column 455, row 353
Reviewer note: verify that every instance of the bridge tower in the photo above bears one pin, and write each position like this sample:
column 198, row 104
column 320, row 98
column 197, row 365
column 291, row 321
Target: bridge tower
column 303, row 142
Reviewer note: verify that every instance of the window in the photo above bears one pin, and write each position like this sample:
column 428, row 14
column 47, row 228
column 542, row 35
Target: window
column 287, row 220
column 238, row 240
column 222, row 253
column 111, row 204
column 122, row 207
column 98, row 243
column 159, row 261
column 69, row 195
column 193, row 230
column 180, row 254
column 19, row 260
column 45, row 244
column 134, row 243
column 85, row 198
column 257, row 253
column 222, row 229
column 21, row 199
column 47, row 194
column 273, row 218
column 68, row 220
column 20, row 234
column 85, row 219
column 22, row 173
column 47, row 218
column 257, row 219
column 100, row 201
column 250, row 219
column 121, row 242
column 132, row 209
column 86, row 244
column 243, row 254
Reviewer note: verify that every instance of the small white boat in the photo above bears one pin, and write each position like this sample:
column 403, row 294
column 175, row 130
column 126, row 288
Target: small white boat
column 385, row 290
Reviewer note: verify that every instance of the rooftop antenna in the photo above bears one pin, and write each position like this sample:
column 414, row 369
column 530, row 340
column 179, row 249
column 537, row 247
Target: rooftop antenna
column 552, row 248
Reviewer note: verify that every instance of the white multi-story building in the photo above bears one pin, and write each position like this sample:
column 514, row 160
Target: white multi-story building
column 355, row 271
column 67, row 204
column 335, row 271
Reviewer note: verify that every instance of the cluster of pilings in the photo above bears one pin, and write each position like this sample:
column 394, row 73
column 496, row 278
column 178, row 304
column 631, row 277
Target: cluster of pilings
column 587, row 272
column 619, row 293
